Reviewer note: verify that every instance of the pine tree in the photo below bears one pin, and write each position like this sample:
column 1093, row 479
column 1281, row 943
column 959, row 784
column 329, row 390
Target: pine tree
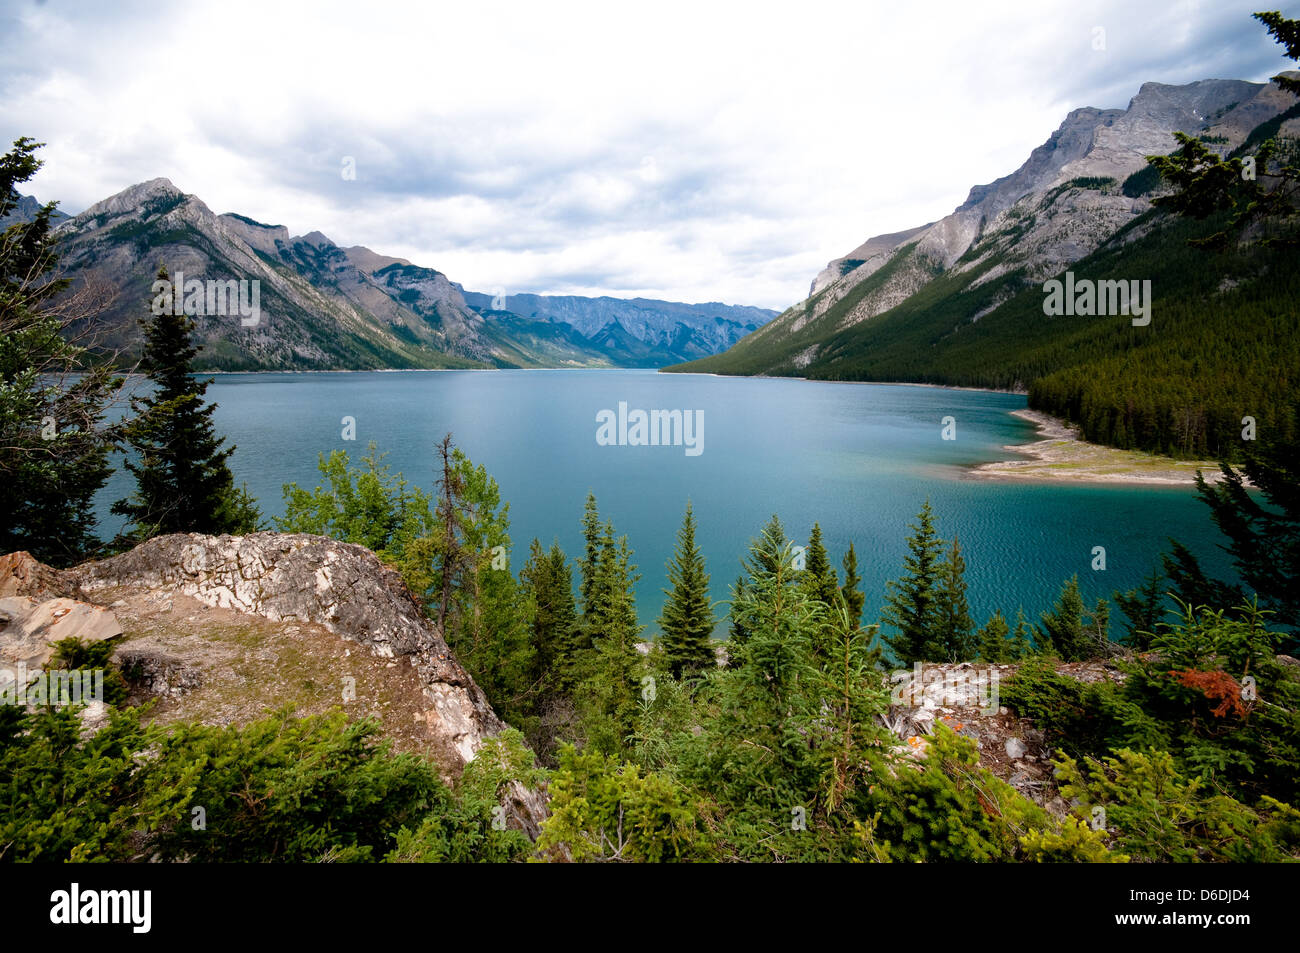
column 183, row 481
column 910, row 602
column 764, row 558
column 954, row 628
column 687, row 619
column 1143, row 607
column 591, row 551
column 1063, row 627
column 992, row 638
column 819, row 577
column 611, row 691
column 851, row 592
column 547, row 585
column 54, row 444
column 1022, row 645
column 474, row 592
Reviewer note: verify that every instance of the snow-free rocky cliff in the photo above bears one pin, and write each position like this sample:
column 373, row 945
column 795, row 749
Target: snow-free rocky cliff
column 328, row 307
column 1043, row 216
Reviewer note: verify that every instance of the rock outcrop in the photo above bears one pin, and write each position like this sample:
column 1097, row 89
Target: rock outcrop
column 21, row 575
column 30, row 628
column 301, row 578
column 222, row 629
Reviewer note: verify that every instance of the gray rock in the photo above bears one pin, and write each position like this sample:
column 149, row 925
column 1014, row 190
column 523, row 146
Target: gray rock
column 153, row 672
column 29, row 628
column 298, row 577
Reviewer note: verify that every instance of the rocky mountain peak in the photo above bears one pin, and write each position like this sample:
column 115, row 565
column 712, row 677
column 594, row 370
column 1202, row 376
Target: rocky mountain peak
column 1090, row 143
column 134, row 198
column 315, row 239
column 1058, row 207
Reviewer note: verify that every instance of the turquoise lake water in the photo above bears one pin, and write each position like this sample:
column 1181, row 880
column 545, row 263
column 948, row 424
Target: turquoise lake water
column 858, row 458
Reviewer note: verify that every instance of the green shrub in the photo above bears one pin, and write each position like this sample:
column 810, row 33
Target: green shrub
column 1160, row 815
column 605, row 810
column 948, row 808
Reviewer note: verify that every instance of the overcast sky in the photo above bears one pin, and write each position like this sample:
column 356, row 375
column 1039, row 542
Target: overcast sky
column 694, row 151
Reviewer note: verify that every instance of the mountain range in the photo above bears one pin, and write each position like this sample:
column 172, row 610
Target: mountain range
column 960, row 301
column 327, row 307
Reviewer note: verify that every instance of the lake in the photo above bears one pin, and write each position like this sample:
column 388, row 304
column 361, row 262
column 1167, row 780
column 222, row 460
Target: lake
column 860, row 459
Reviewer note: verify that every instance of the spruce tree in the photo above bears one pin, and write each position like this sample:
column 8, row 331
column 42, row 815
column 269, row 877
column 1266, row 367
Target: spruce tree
column 755, row 753
column 852, row 696
column 736, row 633
column 455, row 558
column 612, row 691
column 1063, row 627
column 1262, row 526
column 954, row 627
column 54, row 443
column 819, row 576
column 183, row 482
column 768, row 551
column 687, row 619
column 474, row 593
column 1143, row 607
column 851, row 592
column 494, row 642
column 1022, row 645
column 590, row 558
column 764, row 558
column 992, row 639
column 547, row 585
column 1096, row 626
column 910, row 603
column 819, row 581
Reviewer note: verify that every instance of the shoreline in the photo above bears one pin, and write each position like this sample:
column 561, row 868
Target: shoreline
column 1060, row 455
column 816, row 380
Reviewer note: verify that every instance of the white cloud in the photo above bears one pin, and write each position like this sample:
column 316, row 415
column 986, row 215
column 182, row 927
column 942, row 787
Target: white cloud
column 720, row 151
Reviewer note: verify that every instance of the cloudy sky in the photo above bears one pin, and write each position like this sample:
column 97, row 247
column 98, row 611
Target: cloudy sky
column 697, row 151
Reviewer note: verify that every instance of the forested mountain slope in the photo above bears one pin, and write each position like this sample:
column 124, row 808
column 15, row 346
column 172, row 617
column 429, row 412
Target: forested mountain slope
column 1223, row 340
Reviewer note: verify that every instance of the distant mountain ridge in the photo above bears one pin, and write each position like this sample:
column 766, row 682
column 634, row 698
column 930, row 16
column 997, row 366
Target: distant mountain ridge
column 960, row 301
column 663, row 327
column 26, row 210
column 327, row 307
